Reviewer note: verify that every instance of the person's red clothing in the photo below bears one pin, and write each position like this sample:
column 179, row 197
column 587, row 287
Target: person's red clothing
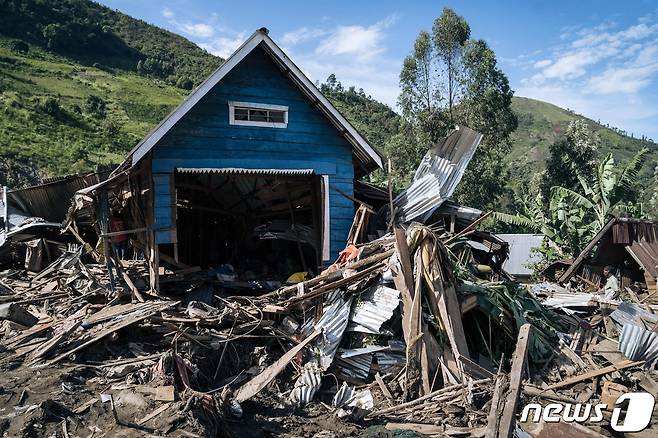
column 116, row 224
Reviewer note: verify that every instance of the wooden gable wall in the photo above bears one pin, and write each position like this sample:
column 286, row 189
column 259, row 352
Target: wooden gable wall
column 204, row 138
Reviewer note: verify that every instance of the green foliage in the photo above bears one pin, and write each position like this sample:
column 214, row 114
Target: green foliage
column 577, row 149
column 19, row 46
column 95, row 106
column 572, row 217
column 185, row 83
column 91, row 33
column 448, row 79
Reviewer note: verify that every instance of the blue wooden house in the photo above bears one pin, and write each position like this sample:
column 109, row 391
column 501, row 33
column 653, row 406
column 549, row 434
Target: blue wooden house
column 255, row 157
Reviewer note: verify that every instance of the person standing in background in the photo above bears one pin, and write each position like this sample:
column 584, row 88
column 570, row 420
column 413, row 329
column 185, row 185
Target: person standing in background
column 119, row 241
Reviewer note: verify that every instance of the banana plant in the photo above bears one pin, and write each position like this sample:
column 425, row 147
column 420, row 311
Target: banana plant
column 573, row 217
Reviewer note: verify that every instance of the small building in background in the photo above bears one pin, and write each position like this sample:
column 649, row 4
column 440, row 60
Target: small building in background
column 521, row 255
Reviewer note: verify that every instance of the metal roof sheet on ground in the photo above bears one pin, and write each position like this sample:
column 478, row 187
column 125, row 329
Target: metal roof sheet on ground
column 631, row 313
column 373, row 308
column 357, row 367
column 636, row 343
column 244, row 171
column 438, row 174
column 333, row 322
column 569, row 299
column 520, row 252
column 306, row 385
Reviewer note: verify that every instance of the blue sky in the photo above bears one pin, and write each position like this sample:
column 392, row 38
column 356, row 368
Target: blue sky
column 599, row 58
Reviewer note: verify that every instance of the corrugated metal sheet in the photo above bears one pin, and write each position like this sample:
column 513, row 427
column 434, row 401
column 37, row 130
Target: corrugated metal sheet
column 631, row 313
column 645, row 254
column 334, row 322
column 569, row 299
column 373, row 308
column 355, row 366
column 636, row 343
column 520, row 252
column 51, row 201
column 438, row 174
column 244, row 171
column 306, row 385
column 393, row 358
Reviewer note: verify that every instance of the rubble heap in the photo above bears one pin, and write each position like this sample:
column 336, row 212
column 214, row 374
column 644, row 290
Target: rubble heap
column 407, row 331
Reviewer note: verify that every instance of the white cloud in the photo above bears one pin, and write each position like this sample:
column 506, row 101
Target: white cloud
column 603, row 72
column 224, row 46
column 168, row 13
column 301, row 35
column 356, row 40
column 199, row 30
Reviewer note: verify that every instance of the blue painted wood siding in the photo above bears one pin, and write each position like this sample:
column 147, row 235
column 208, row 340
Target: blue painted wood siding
column 204, row 138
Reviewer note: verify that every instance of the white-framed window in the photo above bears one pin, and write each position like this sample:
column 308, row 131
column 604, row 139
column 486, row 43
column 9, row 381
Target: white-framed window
column 257, row 114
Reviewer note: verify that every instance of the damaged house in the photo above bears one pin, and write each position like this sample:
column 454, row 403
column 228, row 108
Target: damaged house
column 254, row 171
column 629, row 245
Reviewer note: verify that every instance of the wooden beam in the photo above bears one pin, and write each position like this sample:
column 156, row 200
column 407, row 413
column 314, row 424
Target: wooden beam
column 518, row 364
column 627, row 363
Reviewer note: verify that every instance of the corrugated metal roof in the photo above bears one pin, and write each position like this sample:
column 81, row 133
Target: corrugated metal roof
column 646, row 255
column 631, row 313
column 306, row 385
column 639, row 236
column 569, row 299
column 520, row 254
column 355, row 366
column 438, row 174
column 244, row 171
column 636, row 343
column 51, row 201
column 334, row 321
column 373, row 308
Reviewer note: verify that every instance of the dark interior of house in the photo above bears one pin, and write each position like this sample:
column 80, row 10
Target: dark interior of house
column 249, row 227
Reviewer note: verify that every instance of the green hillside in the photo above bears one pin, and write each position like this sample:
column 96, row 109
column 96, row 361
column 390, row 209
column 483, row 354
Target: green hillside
column 541, row 123
column 81, row 84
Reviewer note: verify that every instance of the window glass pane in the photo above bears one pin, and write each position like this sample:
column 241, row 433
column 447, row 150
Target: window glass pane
column 277, row 116
column 256, row 115
column 241, row 114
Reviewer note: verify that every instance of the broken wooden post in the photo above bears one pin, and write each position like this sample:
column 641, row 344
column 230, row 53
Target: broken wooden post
column 518, row 365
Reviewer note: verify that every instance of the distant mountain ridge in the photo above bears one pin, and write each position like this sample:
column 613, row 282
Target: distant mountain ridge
column 81, row 84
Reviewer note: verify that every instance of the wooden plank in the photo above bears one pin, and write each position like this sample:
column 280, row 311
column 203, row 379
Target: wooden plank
column 153, row 414
column 494, row 409
column 508, row 418
column 253, row 387
column 595, row 373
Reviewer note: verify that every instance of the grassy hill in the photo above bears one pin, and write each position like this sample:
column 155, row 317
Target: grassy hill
column 541, row 123
column 81, row 84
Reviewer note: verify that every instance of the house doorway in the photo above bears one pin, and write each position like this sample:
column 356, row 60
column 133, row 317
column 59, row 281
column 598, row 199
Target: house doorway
column 250, row 225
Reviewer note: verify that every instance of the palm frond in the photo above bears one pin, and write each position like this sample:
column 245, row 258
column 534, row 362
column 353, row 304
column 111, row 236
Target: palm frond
column 577, row 198
column 514, row 219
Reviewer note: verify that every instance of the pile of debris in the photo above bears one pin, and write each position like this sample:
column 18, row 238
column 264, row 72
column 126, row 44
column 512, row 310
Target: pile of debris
column 419, row 329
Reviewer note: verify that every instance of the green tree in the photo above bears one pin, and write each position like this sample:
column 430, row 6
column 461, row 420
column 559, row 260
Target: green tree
column 486, row 106
column 95, row 106
column 449, row 34
column 572, row 217
column 449, row 79
column 577, row 149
